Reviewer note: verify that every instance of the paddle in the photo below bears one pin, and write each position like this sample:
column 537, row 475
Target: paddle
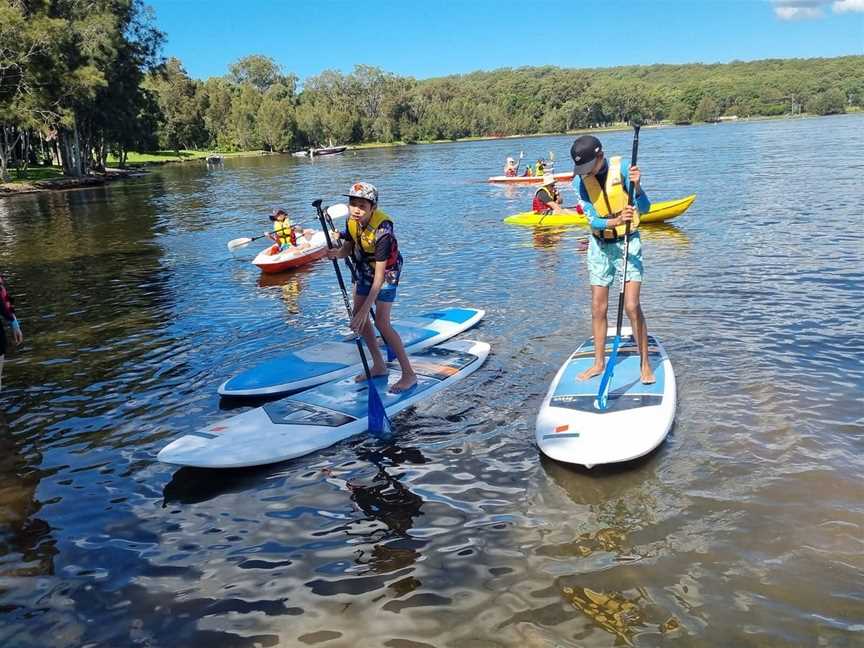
column 338, row 210
column 379, row 422
column 606, row 381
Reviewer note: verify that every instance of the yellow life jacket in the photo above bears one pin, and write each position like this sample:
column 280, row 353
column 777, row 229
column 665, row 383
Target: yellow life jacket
column 539, row 169
column 609, row 201
column 365, row 237
column 284, row 232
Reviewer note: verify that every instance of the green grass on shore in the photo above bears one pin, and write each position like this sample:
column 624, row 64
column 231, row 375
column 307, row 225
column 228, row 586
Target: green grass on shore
column 34, row 174
column 161, row 157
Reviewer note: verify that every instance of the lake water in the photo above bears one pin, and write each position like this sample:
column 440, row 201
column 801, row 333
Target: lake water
column 746, row 528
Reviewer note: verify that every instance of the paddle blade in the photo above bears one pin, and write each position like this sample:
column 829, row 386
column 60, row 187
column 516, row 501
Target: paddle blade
column 379, row 423
column 601, row 402
column 337, row 211
column 391, row 355
column 238, row 243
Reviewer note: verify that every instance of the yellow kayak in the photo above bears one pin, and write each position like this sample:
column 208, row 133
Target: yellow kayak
column 660, row 211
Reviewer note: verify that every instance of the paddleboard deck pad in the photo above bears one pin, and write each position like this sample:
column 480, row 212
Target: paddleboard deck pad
column 570, row 426
column 320, row 416
column 329, row 360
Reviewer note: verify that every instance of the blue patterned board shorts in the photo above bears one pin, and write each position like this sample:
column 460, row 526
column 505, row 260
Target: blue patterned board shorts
column 606, row 260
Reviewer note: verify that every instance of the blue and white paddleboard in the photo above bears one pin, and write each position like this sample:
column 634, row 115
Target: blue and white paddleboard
column 326, row 361
column 571, row 428
column 320, row 416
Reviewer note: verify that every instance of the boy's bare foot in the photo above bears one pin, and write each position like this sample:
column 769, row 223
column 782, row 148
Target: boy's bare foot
column 648, row 375
column 377, row 372
column 406, row 382
column 592, row 371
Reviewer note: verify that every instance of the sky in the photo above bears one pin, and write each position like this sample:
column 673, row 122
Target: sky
column 432, row 38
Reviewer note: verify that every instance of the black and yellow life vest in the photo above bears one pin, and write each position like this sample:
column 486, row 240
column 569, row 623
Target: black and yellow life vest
column 364, row 238
column 609, row 201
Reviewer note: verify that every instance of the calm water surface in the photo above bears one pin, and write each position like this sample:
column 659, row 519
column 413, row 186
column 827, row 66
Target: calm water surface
column 745, row 528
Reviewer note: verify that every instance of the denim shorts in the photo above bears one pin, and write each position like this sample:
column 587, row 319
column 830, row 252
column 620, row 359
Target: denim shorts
column 386, row 294
column 606, row 259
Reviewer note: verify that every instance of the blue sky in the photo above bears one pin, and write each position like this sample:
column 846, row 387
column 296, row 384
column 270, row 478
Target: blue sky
column 439, row 37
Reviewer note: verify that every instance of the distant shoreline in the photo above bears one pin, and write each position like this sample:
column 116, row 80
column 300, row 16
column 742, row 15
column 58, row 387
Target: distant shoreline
column 143, row 160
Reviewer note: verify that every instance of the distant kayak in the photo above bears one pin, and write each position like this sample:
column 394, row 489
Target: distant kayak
column 272, row 260
column 559, row 177
column 660, row 212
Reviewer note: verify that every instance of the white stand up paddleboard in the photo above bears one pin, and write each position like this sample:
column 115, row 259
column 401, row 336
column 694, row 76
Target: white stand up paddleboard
column 326, row 361
column 320, row 416
column 571, row 428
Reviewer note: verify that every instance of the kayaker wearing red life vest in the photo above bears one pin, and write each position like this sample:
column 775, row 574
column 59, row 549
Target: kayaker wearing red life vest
column 8, row 313
column 511, row 168
column 547, row 200
column 603, row 185
column 369, row 239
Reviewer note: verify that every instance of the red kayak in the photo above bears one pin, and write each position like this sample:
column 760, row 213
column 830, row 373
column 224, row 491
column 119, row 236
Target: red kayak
column 559, row 177
column 310, row 247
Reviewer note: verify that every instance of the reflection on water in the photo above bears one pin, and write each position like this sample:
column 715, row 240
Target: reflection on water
column 743, row 529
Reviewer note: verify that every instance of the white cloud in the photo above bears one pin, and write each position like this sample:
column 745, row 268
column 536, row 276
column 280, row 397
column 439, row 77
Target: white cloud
column 811, row 9
column 848, row 6
column 799, row 9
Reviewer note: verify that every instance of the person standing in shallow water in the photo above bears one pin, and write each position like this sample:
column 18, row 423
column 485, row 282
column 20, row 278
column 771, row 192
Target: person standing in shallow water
column 8, row 313
column 369, row 239
column 603, row 187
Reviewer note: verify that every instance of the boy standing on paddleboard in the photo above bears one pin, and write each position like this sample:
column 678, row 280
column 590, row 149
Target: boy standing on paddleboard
column 369, row 239
column 603, row 187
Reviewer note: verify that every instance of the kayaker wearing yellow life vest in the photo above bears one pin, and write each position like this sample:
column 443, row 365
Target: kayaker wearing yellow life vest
column 547, row 200
column 369, row 239
column 283, row 230
column 603, row 187
column 540, row 168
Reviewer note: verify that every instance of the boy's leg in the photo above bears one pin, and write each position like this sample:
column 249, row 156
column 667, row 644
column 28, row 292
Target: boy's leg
column 633, row 308
column 391, row 337
column 599, row 306
column 379, row 367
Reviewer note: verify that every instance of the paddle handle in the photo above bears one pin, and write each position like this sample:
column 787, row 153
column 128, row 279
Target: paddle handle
column 323, row 221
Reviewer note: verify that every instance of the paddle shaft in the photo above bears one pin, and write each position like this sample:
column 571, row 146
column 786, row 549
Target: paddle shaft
column 631, row 195
column 347, row 301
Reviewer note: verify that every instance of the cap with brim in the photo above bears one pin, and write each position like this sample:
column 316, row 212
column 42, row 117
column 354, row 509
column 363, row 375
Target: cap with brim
column 363, row 190
column 548, row 179
column 584, row 153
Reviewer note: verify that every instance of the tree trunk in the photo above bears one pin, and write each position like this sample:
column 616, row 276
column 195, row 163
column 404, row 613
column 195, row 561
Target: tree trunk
column 4, row 154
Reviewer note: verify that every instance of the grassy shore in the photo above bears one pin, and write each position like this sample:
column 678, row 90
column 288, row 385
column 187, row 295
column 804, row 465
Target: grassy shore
column 166, row 157
column 36, row 174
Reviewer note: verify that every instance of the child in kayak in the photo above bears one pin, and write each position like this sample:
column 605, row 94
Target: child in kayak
column 285, row 234
column 603, row 187
column 511, row 168
column 8, row 313
column 547, row 199
column 369, row 239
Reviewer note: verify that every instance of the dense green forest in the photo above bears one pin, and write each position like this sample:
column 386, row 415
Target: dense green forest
column 82, row 80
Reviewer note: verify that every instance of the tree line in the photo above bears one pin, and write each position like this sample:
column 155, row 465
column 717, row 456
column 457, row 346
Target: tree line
column 80, row 81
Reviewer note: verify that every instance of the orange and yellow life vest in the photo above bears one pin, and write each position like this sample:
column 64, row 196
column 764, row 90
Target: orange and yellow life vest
column 609, row 201
column 284, row 232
